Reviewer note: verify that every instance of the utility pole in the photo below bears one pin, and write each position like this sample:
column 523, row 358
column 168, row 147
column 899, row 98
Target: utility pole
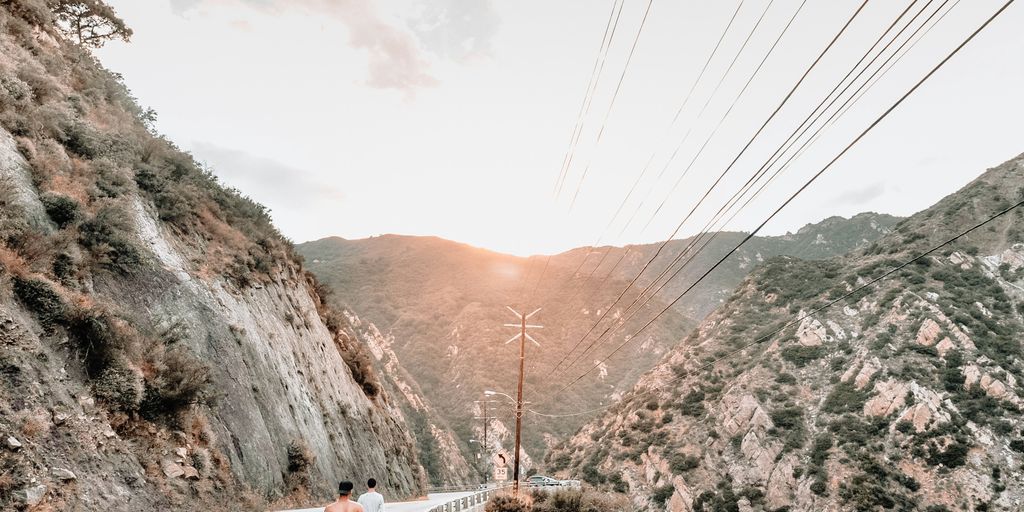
column 486, row 447
column 522, row 337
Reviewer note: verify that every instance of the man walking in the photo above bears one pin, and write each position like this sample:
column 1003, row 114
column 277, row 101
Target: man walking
column 372, row 501
column 343, row 503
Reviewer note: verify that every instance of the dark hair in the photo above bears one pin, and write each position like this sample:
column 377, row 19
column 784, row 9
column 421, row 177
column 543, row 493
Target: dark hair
column 371, row 483
column 345, row 488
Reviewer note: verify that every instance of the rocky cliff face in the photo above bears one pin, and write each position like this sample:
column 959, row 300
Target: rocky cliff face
column 906, row 396
column 160, row 345
column 438, row 447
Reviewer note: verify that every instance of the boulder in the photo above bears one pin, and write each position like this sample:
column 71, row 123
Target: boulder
column 32, row 496
column 993, row 387
column 891, row 396
column 171, row 469
column 944, row 346
column 864, row 376
column 928, row 333
column 811, row 332
column 62, row 474
column 745, row 415
column 191, row 473
column 13, row 444
column 972, row 375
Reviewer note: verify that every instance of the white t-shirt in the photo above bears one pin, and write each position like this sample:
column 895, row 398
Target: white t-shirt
column 372, row 502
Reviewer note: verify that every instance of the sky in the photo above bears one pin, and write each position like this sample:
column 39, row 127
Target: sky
column 453, row 118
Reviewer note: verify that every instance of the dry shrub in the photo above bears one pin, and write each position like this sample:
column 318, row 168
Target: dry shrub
column 202, row 461
column 200, row 428
column 7, row 484
column 12, row 263
column 101, row 336
column 509, row 503
column 35, row 424
column 51, row 160
column 119, row 386
column 175, row 380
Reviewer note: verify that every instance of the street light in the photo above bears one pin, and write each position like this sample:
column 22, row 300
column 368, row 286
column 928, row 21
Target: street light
column 492, row 393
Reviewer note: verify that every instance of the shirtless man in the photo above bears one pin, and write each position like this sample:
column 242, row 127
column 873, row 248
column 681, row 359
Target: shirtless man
column 343, row 504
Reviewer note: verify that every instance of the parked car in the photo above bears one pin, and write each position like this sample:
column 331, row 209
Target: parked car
column 542, row 481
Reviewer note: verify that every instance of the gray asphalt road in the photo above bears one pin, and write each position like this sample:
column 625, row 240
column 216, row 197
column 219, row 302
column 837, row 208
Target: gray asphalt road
column 409, row 506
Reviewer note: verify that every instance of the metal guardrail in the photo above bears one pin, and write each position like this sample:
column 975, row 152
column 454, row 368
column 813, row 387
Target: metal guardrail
column 468, row 502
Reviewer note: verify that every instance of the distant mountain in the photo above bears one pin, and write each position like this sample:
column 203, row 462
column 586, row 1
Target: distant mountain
column 906, row 396
column 443, row 304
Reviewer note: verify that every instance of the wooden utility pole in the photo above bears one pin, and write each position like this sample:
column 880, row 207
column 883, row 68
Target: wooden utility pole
column 522, row 337
column 485, row 448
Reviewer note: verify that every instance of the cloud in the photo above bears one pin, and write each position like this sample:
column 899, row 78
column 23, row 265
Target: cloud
column 395, row 59
column 860, row 195
column 460, row 30
column 291, row 193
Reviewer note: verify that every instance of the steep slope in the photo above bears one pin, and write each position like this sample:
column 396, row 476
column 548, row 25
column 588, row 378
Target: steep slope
column 438, row 449
column 160, row 345
column 905, row 396
column 444, row 305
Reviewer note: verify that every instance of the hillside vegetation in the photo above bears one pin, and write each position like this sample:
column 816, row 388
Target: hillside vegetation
column 443, row 305
column 906, row 396
column 161, row 346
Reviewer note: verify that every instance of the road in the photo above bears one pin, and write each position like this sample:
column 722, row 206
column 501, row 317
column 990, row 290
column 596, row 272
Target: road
column 432, row 500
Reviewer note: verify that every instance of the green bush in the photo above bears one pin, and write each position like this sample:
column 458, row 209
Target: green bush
column 41, row 298
column 680, row 463
column 785, row 378
column 106, row 237
column 801, row 355
column 662, row 493
column 64, row 268
column 181, row 380
column 953, row 456
column 120, row 387
column 692, row 404
column 845, row 397
column 789, row 423
column 98, row 337
column 63, row 210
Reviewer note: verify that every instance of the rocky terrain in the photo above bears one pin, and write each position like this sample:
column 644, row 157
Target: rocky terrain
column 161, row 346
column 905, row 396
column 442, row 305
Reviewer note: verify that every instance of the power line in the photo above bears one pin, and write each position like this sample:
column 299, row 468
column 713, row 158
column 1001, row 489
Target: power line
column 595, row 76
column 727, row 169
column 807, row 184
column 615, row 95
column 650, row 159
column 774, row 158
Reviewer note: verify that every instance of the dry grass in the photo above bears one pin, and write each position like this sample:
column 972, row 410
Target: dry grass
column 6, row 483
column 35, row 424
column 12, row 263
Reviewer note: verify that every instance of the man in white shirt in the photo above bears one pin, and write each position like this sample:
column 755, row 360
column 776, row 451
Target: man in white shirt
column 372, row 501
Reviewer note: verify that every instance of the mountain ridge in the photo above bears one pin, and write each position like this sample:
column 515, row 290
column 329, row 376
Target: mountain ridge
column 905, row 396
column 441, row 300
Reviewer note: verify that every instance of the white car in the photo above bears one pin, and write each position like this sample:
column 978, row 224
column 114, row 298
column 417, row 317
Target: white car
column 543, row 481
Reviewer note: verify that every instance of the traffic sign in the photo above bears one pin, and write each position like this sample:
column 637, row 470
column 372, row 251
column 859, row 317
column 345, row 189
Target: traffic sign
column 500, row 459
column 500, row 473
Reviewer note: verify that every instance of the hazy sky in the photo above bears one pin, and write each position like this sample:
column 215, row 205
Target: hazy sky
column 452, row 117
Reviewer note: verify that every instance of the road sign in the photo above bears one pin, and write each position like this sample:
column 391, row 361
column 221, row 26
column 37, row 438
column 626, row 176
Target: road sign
column 500, row 473
column 500, row 459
